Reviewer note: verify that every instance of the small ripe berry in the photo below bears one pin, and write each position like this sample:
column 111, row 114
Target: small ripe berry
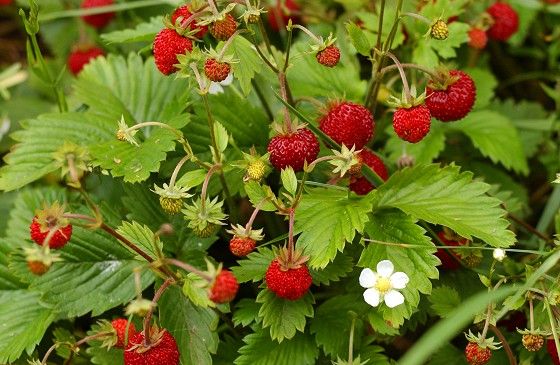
column 359, row 184
column 119, row 325
column 293, row 149
column 289, row 284
column 216, row 71
column 40, row 230
column 98, row 20
column 532, row 342
column 281, row 13
column 163, row 352
column 439, row 30
column 80, row 57
column 348, row 123
column 185, row 13
column 477, row 38
column 455, row 101
column 37, row 267
column 241, row 246
column 477, row 355
column 225, row 287
column 167, row 45
column 329, row 56
column 505, row 21
column 412, row 124
column 223, row 29
column 551, row 349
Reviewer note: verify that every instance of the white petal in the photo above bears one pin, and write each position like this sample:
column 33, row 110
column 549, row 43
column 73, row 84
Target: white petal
column 227, row 81
column 399, row 280
column 385, row 268
column 367, row 278
column 215, row 88
column 371, row 296
column 393, row 298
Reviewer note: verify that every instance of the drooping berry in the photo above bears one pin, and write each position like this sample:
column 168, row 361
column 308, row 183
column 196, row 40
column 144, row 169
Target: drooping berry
column 329, row 56
column 224, row 288
column 120, row 325
column 505, row 21
column 412, row 124
column 359, row 184
column 185, row 13
column 451, row 100
column 98, row 20
column 50, row 222
column 241, row 246
column 293, row 149
column 216, row 71
column 288, row 283
column 477, row 355
column 477, row 38
column 167, row 45
column 78, row 58
column 532, row 342
column 348, row 123
column 162, row 351
column 223, row 29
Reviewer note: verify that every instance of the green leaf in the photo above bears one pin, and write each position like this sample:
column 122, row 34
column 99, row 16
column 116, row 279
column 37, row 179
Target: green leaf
column 429, row 50
column 194, row 328
column 142, row 236
column 328, row 219
column 249, row 65
column 444, row 300
column 254, row 266
column 257, row 193
column 424, row 152
column 194, row 290
column 143, row 32
column 447, row 197
column 339, row 268
column 284, row 317
column 485, row 82
column 246, row 312
column 446, row 355
column 260, row 349
column 496, row 137
column 192, row 178
column 101, row 355
column 24, row 321
column 222, row 136
column 144, row 206
column 359, row 39
column 289, row 180
column 417, row 262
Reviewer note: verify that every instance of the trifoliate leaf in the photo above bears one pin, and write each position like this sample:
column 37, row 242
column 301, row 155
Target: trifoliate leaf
column 444, row 300
column 254, row 266
column 246, row 312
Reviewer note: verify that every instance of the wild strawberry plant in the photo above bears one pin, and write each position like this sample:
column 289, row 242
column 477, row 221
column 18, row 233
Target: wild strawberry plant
column 282, row 182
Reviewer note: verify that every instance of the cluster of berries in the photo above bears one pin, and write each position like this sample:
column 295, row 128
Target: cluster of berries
column 499, row 22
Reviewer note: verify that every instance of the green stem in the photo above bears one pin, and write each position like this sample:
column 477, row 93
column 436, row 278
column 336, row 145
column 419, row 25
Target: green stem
column 177, row 169
column 552, row 320
column 351, row 342
column 380, row 25
column 403, row 77
column 100, row 9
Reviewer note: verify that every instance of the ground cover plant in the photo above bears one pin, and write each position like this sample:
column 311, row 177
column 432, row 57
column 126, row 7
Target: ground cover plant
column 280, row 182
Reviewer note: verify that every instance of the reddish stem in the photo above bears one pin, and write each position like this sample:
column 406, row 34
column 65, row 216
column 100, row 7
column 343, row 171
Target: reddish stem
column 190, row 268
column 291, row 234
column 148, row 317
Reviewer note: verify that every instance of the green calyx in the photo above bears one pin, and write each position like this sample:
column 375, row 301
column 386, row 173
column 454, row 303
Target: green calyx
column 406, row 101
column 204, row 219
column 483, row 342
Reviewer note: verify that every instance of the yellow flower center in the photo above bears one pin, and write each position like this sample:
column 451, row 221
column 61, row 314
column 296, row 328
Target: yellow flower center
column 383, row 285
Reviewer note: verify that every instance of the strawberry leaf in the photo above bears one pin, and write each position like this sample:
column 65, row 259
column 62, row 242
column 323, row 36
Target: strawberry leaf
column 254, row 266
column 328, row 219
column 143, row 32
column 423, row 153
column 443, row 300
column 101, row 355
column 448, row 197
column 284, row 317
column 250, row 64
column 141, row 236
column 339, row 268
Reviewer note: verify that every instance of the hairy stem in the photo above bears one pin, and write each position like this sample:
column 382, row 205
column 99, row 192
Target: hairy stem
column 190, row 268
column 148, row 318
column 403, row 77
column 503, row 340
column 177, row 169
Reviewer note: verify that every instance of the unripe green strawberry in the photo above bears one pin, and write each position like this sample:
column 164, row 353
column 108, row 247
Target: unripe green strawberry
column 171, row 205
column 439, row 30
column 532, row 342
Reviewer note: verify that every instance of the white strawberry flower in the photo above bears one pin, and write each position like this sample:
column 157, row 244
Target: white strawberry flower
column 217, row 87
column 499, row 254
column 383, row 285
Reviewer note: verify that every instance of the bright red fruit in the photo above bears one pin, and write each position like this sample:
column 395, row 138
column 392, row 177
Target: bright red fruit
column 224, row 288
column 39, row 231
column 223, row 29
column 98, row 20
column 506, row 21
column 293, row 149
column 477, row 355
column 454, row 101
column 477, row 38
column 551, row 348
column 167, row 45
column 412, row 124
column 163, row 351
column 119, row 325
column 329, row 56
column 185, row 13
column 6, row 2
column 289, row 284
column 78, row 58
column 216, row 71
column 241, row 246
column 348, row 123
column 278, row 16
column 359, row 184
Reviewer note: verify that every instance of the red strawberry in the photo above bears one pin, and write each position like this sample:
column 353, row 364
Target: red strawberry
column 167, row 45
column 329, row 56
column 37, row 267
column 185, row 13
column 293, row 149
column 453, row 99
column 552, row 1
column 412, row 124
column 98, row 20
column 224, row 288
column 241, row 246
column 51, row 222
column 278, row 16
column 216, row 71
column 223, row 29
column 348, row 123
column 119, row 325
column 359, row 184
column 551, row 348
column 506, row 21
column 291, row 283
column 477, row 355
column 78, row 58
column 5, row 2
column 449, row 261
column 477, row 38
column 163, row 350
